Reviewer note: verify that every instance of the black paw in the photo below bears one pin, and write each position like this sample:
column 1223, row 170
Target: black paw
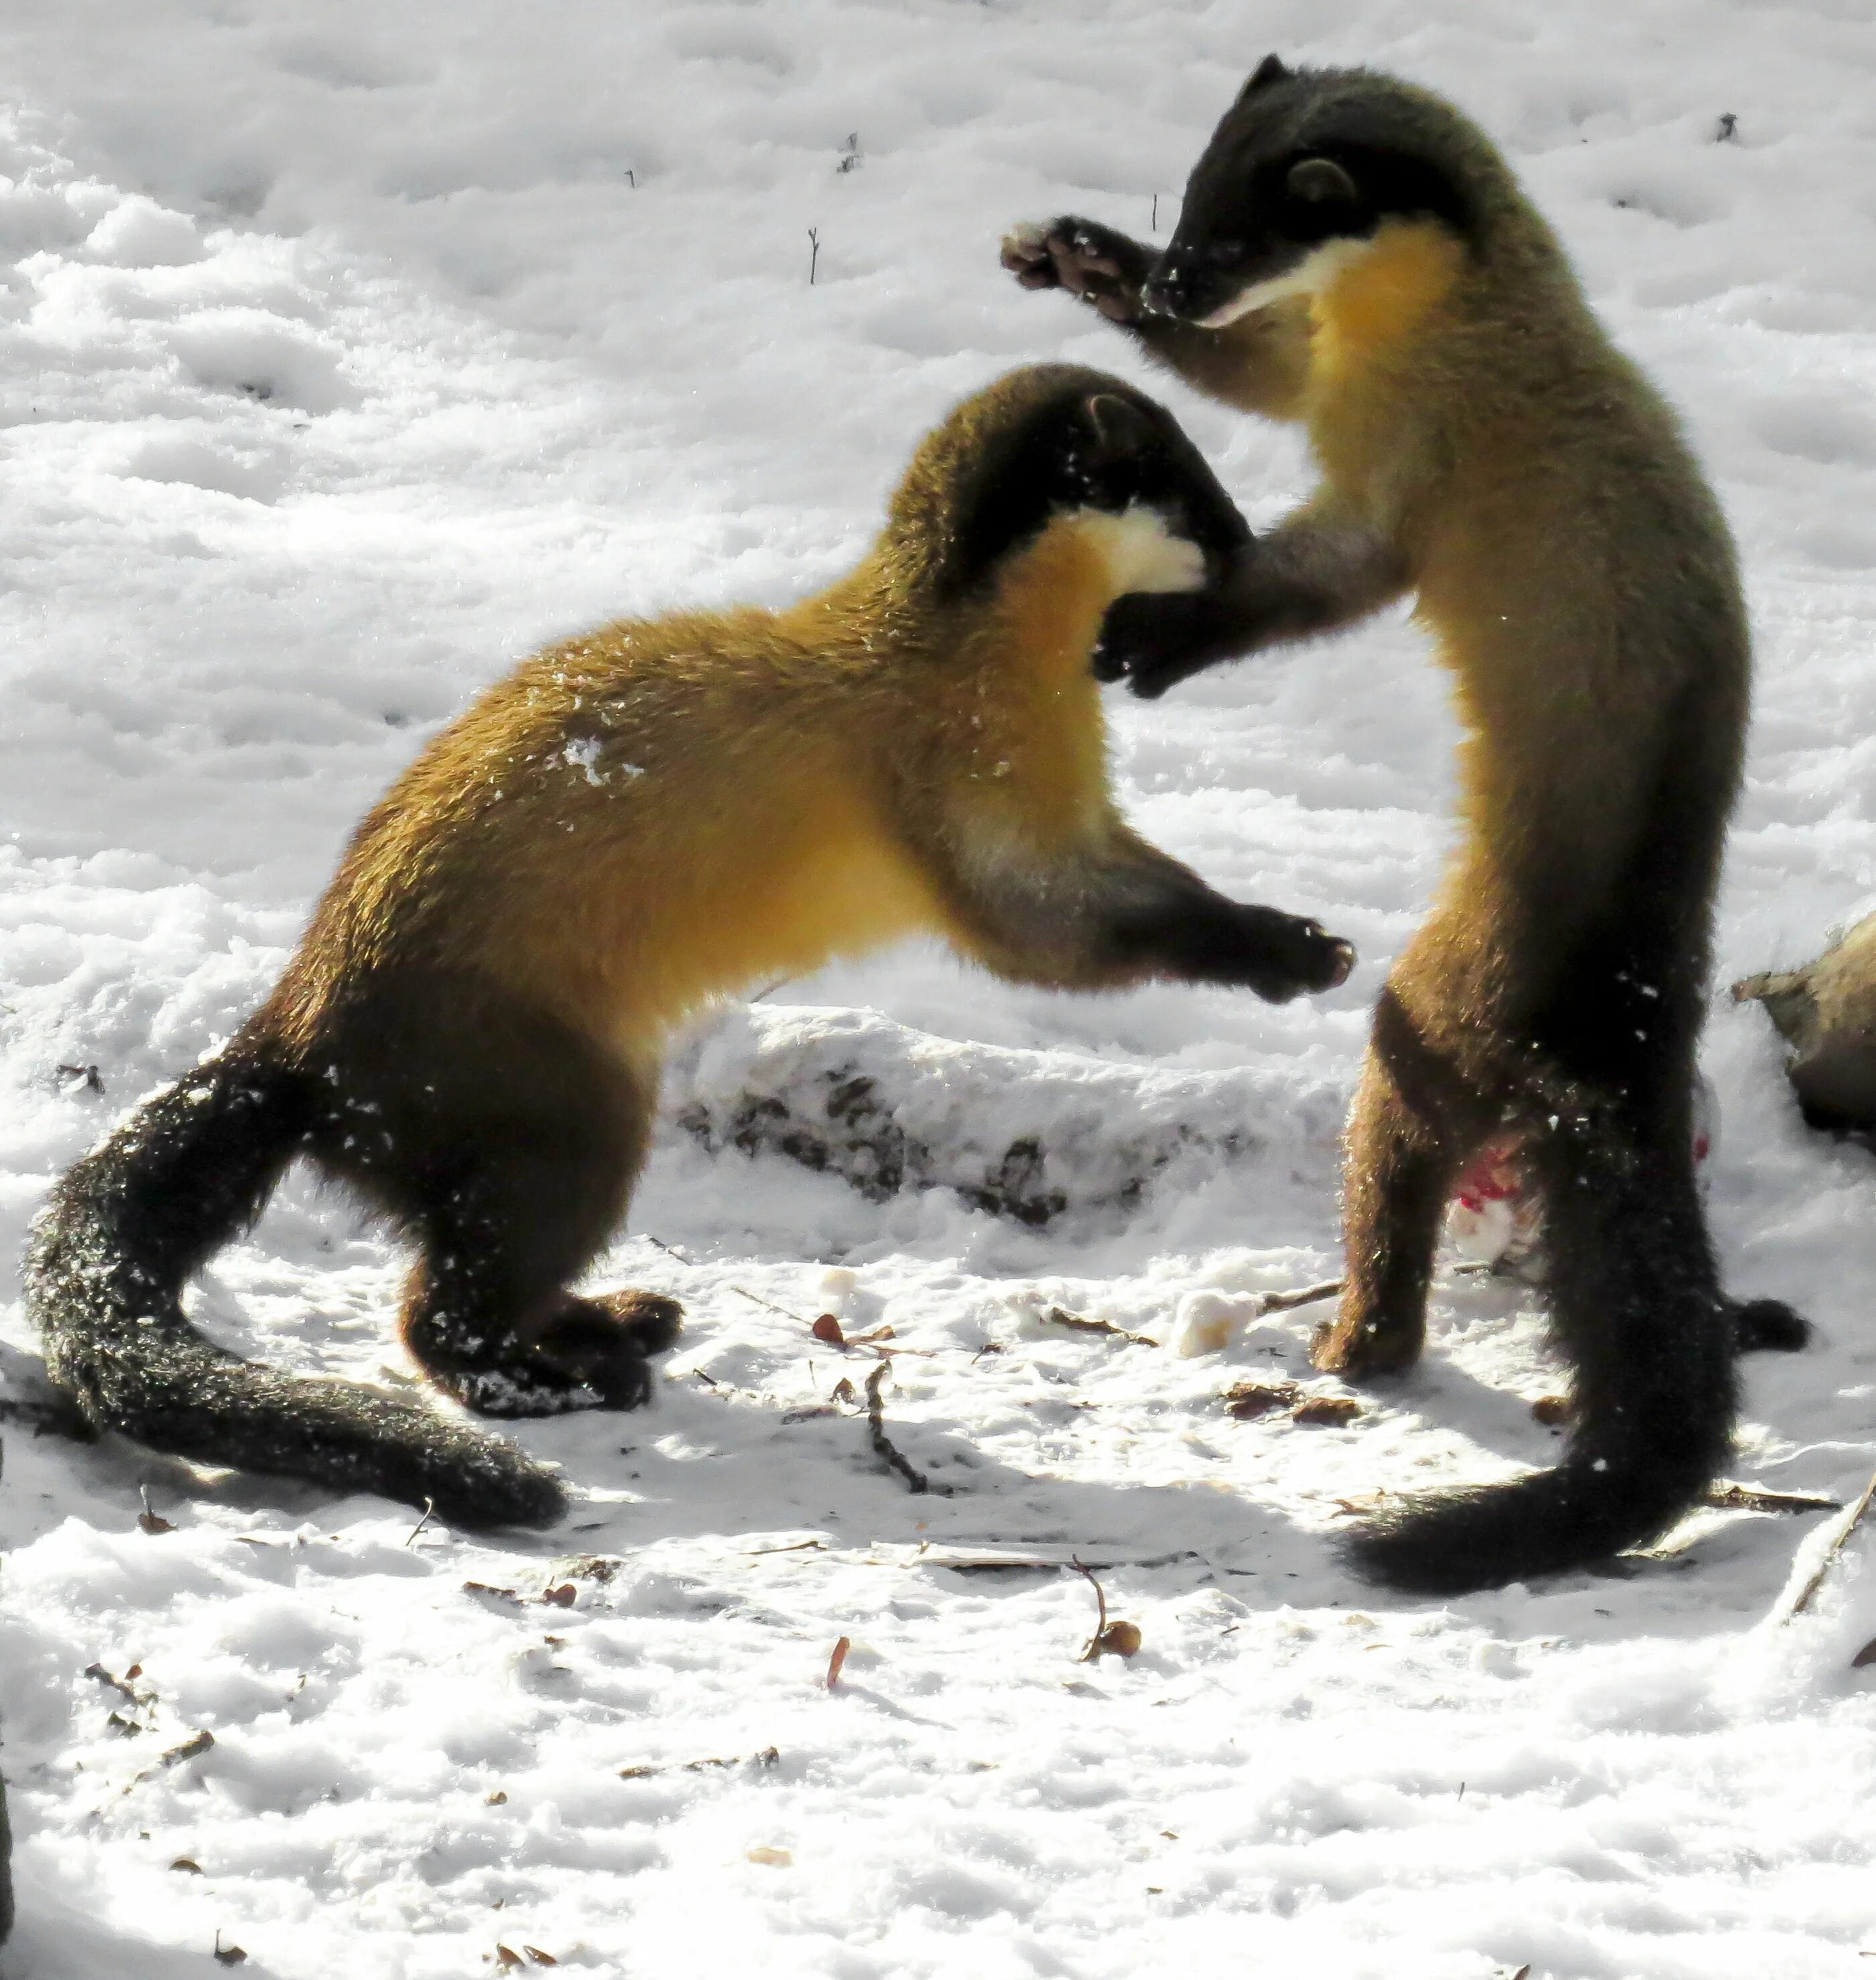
column 1154, row 639
column 1101, row 267
column 1768, row 1324
column 589, row 1354
column 604, row 1343
column 1281, row 956
column 532, row 1385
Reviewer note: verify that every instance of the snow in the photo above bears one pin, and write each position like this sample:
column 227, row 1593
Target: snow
column 348, row 352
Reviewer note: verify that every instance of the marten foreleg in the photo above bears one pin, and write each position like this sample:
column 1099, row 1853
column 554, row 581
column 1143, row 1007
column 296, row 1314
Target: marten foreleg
column 1259, row 363
column 1317, row 572
column 1119, row 912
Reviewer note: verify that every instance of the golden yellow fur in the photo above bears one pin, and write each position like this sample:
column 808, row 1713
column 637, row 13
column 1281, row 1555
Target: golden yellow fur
column 661, row 812
column 634, row 821
column 1483, row 447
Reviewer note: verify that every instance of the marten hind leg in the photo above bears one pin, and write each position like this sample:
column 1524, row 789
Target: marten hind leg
column 486, row 1312
column 1414, row 1123
column 513, row 1144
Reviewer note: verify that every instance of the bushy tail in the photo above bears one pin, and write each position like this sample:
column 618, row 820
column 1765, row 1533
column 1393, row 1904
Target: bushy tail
column 123, row 1233
column 1635, row 1306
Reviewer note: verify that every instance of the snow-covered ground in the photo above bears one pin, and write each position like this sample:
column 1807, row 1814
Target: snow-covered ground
column 348, row 351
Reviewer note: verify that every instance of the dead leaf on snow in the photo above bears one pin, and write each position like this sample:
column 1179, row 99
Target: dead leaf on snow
column 1247, row 1401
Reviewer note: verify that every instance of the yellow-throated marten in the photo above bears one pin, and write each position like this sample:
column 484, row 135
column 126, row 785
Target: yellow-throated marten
column 631, row 823
column 1355, row 254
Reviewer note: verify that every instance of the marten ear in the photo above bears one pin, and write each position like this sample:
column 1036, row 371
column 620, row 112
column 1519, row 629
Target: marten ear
column 1123, row 430
column 1270, row 70
column 1319, row 182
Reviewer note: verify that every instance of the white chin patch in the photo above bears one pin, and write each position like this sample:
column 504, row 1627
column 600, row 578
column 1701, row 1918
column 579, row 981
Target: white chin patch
column 1143, row 554
column 1310, row 276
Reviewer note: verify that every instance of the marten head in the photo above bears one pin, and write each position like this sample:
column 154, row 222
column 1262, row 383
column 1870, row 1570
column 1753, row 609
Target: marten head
column 1055, row 440
column 1304, row 170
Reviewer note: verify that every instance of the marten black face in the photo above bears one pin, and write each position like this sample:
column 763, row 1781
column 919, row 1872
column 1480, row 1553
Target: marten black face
column 1304, row 160
column 1100, row 445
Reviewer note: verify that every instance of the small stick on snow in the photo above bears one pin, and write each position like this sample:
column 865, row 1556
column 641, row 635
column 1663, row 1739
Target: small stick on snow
column 835, row 1662
column 1733, row 1498
column 1058, row 1316
column 814, row 251
column 1091, row 1649
column 797, row 1318
column 1119, row 1639
column 1298, row 1296
column 916, row 1480
column 1282, row 1302
column 430, row 1505
column 663, row 1246
column 1830, row 1553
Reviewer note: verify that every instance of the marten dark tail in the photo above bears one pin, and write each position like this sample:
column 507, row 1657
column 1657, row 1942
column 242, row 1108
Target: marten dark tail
column 127, row 1228
column 1636, row 1308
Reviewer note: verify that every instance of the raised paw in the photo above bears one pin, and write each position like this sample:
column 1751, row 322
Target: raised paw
column 1762, row 1323
column 1101, row 267
column 1281, row 956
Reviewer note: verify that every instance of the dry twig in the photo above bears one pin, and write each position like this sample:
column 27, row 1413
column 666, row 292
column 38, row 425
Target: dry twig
column 770, row 1305
column 876, row 1423
column 1830, row 1553
column 1115, row 1639
column 1060, row 1317
column 1733, row 1498
column 1298, row 1296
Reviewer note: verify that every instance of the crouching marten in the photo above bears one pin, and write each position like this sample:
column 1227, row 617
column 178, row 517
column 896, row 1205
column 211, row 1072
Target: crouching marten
column 1354, row 255
column 631, row 823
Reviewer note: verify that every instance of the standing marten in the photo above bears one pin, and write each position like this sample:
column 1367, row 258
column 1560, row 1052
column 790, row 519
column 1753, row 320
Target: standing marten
column 1353, row 254
column 630, row 823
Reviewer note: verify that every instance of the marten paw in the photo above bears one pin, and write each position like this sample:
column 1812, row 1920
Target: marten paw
column 1154, row 639
column 587, row 1353
column 1763, row 1324
column 605, row 1342
column 1281, row 956
column 1358, row 1349
column 1101, row 267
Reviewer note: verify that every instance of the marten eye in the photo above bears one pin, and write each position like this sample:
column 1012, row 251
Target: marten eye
column 1319, row 182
